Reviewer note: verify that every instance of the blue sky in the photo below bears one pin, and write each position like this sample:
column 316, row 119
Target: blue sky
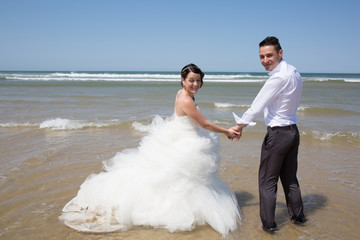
column 139, row 35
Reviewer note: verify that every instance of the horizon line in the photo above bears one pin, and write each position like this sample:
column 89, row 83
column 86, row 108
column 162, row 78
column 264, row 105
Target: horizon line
column 166, row 71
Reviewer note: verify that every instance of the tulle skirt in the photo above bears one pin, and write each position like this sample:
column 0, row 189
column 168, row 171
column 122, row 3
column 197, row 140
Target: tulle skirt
column 169, row 181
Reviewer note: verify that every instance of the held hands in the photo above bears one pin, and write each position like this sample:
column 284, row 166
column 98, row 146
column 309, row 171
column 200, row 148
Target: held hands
column 232, row 133
column 237, row 131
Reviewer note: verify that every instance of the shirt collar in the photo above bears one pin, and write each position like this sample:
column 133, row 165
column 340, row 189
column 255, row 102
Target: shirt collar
column 277, row 69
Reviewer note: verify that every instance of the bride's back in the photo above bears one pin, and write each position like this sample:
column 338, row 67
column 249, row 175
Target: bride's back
column 180, row 101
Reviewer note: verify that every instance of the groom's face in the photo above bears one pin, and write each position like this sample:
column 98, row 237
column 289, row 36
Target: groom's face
column 269, row 57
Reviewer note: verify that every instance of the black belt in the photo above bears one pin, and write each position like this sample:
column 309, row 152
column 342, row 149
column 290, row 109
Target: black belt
column 290, row 127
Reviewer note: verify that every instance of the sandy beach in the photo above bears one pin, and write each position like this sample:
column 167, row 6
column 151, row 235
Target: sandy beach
column 33, row 196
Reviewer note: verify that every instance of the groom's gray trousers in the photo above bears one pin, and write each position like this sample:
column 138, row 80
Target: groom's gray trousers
column 279, row 159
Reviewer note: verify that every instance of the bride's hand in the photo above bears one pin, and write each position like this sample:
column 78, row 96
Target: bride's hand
column 232, row 133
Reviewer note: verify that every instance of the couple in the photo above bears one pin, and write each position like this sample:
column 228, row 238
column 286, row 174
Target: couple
column 171, row 180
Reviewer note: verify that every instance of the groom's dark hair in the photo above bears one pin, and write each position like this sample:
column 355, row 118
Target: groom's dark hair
column 271, row 41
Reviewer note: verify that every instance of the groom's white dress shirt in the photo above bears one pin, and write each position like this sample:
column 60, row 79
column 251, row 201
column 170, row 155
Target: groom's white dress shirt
column 279, row 98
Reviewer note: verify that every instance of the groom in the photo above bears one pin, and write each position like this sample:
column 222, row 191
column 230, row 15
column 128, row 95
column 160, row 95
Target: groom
column 279, row 99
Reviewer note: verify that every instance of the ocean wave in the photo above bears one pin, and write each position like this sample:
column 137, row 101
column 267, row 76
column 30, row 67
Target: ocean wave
column 350, row 137
column 63, row 124
column 141, row 127
column 345, row 182
column 15, row 125
column 95, row 79
column 230, row 105
column 325, row 110
column 166, row 77
column 303, row 109
column 116, row 75
column 325, row 137
column 352, row 80
column 126, row 77
column 145, row 125
column 67, row 124
column 330, row 79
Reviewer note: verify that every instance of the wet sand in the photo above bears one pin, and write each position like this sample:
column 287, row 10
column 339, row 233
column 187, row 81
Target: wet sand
column 41, row 170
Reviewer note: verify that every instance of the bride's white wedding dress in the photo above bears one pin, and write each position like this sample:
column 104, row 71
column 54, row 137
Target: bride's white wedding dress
column 170, row 181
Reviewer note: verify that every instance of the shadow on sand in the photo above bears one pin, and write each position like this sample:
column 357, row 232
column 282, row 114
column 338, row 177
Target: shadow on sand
column 312, row 203
column 243, row 198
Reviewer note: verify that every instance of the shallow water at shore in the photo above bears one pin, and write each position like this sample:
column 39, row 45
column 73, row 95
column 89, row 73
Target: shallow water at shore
column 55, row 163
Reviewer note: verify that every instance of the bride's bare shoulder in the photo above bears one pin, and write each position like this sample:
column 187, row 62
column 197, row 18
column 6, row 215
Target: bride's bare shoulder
column 182, row 103
column 183, row 98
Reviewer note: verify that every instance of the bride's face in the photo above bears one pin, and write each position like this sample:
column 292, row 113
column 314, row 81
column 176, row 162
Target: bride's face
column 192, row 83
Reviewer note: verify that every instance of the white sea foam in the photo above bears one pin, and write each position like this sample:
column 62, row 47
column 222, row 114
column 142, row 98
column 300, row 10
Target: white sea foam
column 303, row 108
column 221, row 123
column 162, row 77
column 141, row 127
column 62, row 124
column 348, row 183
column 140, row 77
column 14, row 124
column 330, row 137
column 323, row 136
column 230, row 105
column 326, row 79
column 67, row 124
column 114, row 75
column 352, row 80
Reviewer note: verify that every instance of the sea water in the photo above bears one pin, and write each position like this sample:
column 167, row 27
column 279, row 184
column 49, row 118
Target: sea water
column 57, row 127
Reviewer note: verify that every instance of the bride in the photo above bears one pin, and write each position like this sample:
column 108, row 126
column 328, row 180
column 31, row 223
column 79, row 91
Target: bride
column 170, row 181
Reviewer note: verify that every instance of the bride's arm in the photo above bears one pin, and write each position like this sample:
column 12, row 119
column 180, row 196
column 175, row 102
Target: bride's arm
column 190, row 109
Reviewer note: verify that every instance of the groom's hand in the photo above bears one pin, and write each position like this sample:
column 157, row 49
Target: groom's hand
column 237, row 131
column 238, row 128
